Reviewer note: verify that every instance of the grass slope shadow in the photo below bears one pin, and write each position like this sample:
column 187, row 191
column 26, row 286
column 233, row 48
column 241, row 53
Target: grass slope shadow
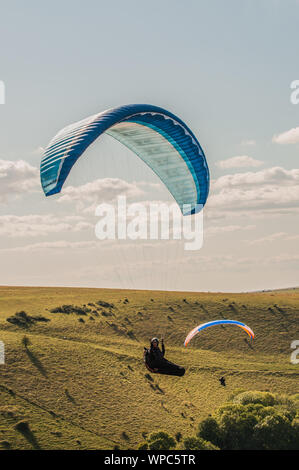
column 36, row 362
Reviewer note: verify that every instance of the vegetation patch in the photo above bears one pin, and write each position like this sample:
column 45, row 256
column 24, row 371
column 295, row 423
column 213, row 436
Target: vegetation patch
column 68, row 309
column 254, row 421
column 251, row 421
column 5, row 445
column 71, row 381
column 103, row 304
column 23, row 320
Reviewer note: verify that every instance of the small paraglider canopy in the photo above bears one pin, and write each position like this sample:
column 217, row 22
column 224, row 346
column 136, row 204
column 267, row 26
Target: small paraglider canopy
column 203, row 326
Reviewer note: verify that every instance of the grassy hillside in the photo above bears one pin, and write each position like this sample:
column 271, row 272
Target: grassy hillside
column 81, row 383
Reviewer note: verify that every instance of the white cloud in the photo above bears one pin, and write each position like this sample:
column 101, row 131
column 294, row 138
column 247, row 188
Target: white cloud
column 56, row 245
column 40, row 225
column 227, row 229
column 241, row 161
column 269, row 239
column 100, row 190
column 269, row 176
column 278, row 236
column 288, row 137
column 17, row 178
column 253, row 213
column 273, row 191
column 259, row 198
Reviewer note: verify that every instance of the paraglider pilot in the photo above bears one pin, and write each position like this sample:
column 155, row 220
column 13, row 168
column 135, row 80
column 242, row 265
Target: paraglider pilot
column 156, row 363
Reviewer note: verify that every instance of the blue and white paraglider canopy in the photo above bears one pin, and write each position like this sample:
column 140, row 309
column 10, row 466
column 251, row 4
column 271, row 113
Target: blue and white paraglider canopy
column 158, row 137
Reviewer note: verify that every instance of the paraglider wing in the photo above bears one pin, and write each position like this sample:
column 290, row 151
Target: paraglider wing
column 158, row 137
column 203, row 326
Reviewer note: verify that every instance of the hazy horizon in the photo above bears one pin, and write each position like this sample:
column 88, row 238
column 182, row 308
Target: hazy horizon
column 224, row 68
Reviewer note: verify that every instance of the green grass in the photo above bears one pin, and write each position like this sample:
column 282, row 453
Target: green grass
column 82, row 385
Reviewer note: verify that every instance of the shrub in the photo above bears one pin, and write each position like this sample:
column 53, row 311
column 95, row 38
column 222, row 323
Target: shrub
column 101, row 303
column 106, row 314
column 275, row 433
column 22, row 426
column 263, row 398
column 254, row 421
column 143, row 446
column 5, row 444
column 23, row 320
column 197, row 443
column 20, row 319
column 40, row 318
column 25, row 341
column 68, row 309
column 161, row 441
column 209, row 431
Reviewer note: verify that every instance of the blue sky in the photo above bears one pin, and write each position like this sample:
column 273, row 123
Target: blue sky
column 215, row 63
column 224, row 67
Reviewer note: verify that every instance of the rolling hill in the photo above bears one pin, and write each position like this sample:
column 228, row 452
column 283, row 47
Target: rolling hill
column 80, row 383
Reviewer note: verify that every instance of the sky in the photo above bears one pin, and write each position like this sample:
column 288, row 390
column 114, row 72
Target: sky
column 225, row 68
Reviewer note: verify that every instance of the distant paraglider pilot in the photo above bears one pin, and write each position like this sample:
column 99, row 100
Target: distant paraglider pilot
column 222, row 381
column 156, row 363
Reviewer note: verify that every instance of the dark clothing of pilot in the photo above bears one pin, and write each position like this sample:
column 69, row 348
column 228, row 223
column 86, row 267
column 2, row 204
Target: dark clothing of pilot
column 156, row 362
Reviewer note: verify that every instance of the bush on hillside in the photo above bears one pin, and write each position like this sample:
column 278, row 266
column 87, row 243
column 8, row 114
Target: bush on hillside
column 197, row 443
column 254, row 420
column 67, row 309
column 22, row 426
column 158, row 441
column 23, row 320
column 26, row 342
column 101, row 303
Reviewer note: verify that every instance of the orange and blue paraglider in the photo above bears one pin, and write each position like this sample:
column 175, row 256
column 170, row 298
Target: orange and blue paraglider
column 203, row 326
